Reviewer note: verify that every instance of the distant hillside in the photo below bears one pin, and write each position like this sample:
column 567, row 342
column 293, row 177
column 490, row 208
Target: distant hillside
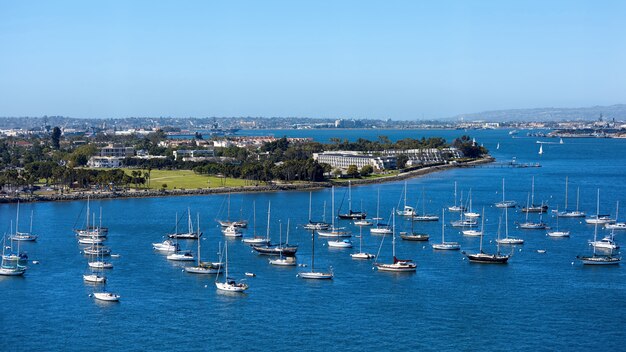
column 617, row 112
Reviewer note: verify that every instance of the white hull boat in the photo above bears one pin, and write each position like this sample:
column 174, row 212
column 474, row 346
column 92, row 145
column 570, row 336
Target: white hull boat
column 286, row 261
column 616, row 226
column 12, row 270
column 380, row 231
column 363, row 223
column 340, row 244
column 362, row 256
column 106, row 296
column 94, row 278
column 101, row 265
column 165, row 246
column 315, row 275
column 181, row 257
column 558, row 233
column 473, row 233
column 334, row 232
column 231, row 286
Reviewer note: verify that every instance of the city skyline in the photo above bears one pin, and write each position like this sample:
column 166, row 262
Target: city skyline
column 398, row 60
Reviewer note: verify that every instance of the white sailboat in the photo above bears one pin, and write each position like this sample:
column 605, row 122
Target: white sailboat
column 571, row 214
column 541, row 149
column 474, row 233
column 256, row 240
column 507, row 239
column 202, row 267
column 226, row 223
column 282, row 260
column 505, row 203
column 424, row 216
column 471, row 214
column 456, row 208
column 190, row 234
column 407, row 210
column 229, row 285
column 380, row 228
column 316, row 225
column 530, row 225
column 333, row 231
column 23, row 236
column 361, row 254
column 599, row 259
column 445, row 245
column 557, row 232
column 398, row 265
column 617, row 225
column 9, row 267
column 315, row 275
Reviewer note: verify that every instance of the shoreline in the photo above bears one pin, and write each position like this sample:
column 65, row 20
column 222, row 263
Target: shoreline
column 145, row 193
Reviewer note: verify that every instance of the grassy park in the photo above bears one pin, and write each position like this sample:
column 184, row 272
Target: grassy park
column 187, row 179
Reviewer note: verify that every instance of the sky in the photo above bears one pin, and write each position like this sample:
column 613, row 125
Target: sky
column 402, row 60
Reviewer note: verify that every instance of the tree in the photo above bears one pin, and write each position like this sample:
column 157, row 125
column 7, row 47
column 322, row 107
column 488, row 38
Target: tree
column 352, row 171
column 56, row 138
column 401, row 161
column 367, row 170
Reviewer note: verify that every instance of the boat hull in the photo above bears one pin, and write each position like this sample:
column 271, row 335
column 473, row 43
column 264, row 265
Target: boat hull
column 315, row 275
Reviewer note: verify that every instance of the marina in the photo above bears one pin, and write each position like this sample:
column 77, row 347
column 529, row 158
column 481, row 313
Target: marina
column 146, row 281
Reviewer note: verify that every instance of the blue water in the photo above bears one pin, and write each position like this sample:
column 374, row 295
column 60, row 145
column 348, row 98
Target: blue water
column 537, row 301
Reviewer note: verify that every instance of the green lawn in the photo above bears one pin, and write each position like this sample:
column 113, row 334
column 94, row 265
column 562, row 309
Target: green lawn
column 369, row 177
column 187, row 179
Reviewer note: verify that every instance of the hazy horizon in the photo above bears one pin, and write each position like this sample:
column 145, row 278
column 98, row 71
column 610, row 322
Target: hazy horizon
column 401, row 60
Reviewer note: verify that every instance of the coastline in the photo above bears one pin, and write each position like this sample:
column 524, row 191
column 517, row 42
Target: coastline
column 145, row 193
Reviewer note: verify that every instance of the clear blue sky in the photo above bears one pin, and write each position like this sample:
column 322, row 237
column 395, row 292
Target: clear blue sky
column 352, row 59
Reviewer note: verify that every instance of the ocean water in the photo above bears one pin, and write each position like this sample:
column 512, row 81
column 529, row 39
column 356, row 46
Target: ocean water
column 537, row 301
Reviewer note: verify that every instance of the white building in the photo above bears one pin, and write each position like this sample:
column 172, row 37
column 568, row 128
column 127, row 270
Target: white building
column 190, row 155
column 105, row 161
column 116, row 150
column 343, row 159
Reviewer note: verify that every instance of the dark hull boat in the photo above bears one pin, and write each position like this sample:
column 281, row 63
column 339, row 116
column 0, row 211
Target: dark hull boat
column 353, row 215
column 487, row 258
column 285, row 251
column 414, row 236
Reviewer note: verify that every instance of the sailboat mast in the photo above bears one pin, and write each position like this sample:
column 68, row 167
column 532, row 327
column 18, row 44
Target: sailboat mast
column 455, row 194
column 312, row 250
column 566, row 179
column 198, row 227
column 443, row 224
column 253, row 218
column 31, row 219
column 532, row 191
column 506, row 222
column 349, row 196
column 577, row 197
column 595, row 231
column 267, row 231
column 482, row 230
column 189, row 223
column 332, row 205
column 310, row 200
column 393, row 233
column 17, row 218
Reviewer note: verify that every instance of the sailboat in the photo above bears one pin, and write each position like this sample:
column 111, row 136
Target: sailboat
column 255, row 239
column 380, row 228
column 445, row 245
column 226, row 223
column 333, row 231
column 617, row 225
column 505, row 203
column 598, row 259
column 463, row 220
column 95, row 276
column 407, row 210
column 282, row 249
column 23, row 236
column 190, row 234
column 470, row 214
column 557, row 232
column 457, row 208
column 486, row 258
column 351, row 215
column 229, row 284
column 414, row 236
column 202, row 267
column 571, row 214
column 600, row 219
column 361, row 254
column 315, row 275
column 474, row 233
column 282, row 260
column 531, row 207
column 8, row 266
column 363, row 222
column 315, row 225
column 398, row 265
column 92, row 231
column 530, row 225
column 541, row 149
column 424, row 216
column 178, row 254
column 507, row 239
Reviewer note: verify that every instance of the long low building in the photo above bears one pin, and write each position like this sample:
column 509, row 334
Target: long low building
column 387, row 159
column 343, row 159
